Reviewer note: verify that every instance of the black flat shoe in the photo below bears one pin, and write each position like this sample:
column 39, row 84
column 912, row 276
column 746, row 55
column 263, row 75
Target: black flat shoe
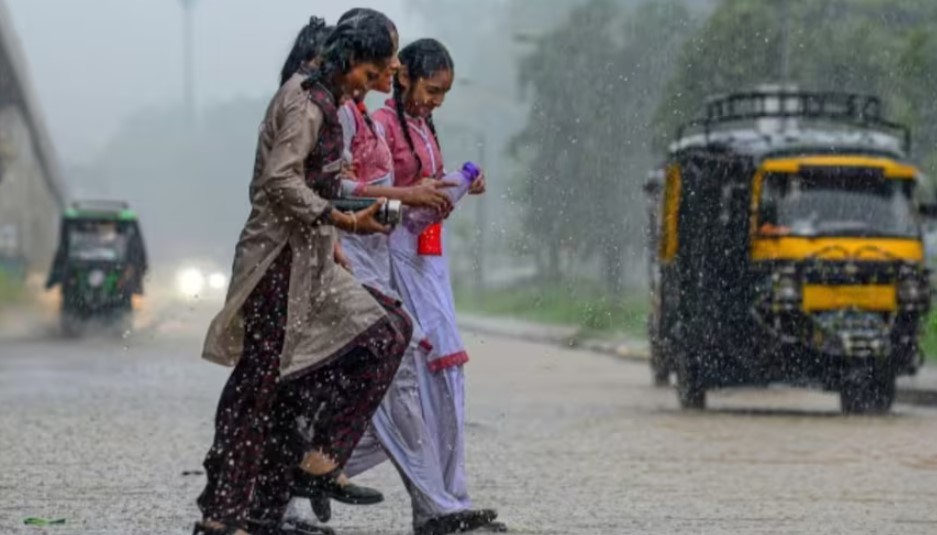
column 460, row 522
column 298, row 527
column 494, row 527
column 306, row 485
column 321, row 507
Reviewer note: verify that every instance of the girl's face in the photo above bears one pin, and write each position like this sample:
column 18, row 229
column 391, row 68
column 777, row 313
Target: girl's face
column 363, row 76
column 426, row 94
column 386, row 82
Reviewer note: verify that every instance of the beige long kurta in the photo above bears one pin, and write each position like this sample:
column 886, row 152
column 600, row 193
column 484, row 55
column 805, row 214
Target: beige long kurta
column 327, row 308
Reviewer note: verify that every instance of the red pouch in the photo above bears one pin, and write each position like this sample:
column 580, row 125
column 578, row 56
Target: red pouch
column 429, row 242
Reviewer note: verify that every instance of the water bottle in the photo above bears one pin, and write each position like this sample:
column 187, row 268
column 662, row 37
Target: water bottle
column 417, row 219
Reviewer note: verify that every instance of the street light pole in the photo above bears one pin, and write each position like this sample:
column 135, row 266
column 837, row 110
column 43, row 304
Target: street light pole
column 188, row 61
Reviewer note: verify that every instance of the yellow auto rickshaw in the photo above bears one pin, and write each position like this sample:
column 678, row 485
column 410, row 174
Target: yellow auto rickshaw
column 788, row 249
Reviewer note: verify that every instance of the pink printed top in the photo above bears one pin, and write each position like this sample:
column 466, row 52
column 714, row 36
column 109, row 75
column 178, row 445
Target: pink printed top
column 407, row 171
column 423, row 280
column 365, row 147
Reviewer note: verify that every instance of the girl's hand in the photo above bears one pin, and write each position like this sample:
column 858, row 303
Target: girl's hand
column 428, row 193
column 478, row 187
column 363, row 222
column 349, row 171
column 341, row 258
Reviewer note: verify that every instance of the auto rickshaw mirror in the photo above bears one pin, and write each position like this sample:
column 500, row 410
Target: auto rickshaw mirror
column 928, row 211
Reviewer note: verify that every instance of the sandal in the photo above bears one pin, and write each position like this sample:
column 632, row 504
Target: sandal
column 310, row 486
column 460, row 522
column 201, row 528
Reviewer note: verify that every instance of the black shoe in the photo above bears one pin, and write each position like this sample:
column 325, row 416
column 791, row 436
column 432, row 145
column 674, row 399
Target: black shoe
column 457, row 522
column 322, row 507
column 298, row 527
column 306, row 485
column 494, row 527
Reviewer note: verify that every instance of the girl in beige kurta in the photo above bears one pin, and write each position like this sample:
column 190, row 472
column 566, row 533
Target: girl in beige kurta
column 313, row 351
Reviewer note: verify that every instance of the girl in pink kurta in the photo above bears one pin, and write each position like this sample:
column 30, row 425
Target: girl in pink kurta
column 423, row 280
column 398, row 429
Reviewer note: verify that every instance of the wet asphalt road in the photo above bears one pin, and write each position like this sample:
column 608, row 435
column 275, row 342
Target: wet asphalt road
column 100, row 432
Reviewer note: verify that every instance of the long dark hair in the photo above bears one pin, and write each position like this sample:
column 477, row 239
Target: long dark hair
column 422, row 59
column 352, row 16
column 363, row 38
column 308, row 46
column 359, row 13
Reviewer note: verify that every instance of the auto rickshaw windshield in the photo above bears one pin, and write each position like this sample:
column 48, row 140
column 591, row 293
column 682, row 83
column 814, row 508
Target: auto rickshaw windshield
column 854, row 204
column 97, row 242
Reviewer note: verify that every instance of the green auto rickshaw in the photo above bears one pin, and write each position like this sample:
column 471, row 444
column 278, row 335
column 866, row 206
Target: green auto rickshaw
column 100, row 265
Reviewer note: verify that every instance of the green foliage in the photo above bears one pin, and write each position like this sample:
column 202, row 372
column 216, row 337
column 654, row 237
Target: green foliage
column 11, row 288
column 594, row 84
column 578, row 303
column 929, row 339
column 883, row 47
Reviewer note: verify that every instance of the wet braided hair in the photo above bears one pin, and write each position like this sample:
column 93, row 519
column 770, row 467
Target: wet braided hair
column 365, row 38
column 422, row 59
column 308, row 46
column 352, row 16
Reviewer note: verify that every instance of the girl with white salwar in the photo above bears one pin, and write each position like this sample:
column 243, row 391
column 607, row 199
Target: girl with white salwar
column 423, row 280
column 398, row 430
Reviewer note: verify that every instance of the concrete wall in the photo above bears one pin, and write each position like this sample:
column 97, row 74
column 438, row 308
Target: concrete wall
column 32, row 195
column 29, row 213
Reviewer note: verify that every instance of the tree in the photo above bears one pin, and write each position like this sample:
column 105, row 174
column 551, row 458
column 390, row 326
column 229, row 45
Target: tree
column 484, row 105
column 190, row 190
column 883, row 47
column 595, row 82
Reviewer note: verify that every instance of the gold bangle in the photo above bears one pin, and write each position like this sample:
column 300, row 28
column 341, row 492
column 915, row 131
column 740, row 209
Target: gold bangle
column 354, row 223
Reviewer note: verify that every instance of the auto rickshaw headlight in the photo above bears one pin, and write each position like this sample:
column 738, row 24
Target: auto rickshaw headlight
column 96, row 278
column 787, row 289
column 911, row 291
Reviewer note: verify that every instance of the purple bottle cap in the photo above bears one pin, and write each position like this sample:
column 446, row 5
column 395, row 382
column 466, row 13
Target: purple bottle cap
column 471, row 171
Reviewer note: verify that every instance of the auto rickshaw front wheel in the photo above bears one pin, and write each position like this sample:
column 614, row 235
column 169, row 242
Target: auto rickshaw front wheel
column 660, row 367
column 868, row 391
column 690, row 389
column 71, row 325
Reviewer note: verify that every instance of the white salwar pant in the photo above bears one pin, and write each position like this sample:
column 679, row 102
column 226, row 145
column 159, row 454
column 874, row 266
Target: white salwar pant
column 418, row 425
column 424, row 284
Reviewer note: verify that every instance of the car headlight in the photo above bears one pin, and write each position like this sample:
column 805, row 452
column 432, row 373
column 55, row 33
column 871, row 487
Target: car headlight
column 96, row 278
column 217, row 281
column 191, row 282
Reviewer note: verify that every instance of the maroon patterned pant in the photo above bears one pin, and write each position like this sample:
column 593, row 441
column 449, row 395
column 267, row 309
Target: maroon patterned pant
column 264, row 425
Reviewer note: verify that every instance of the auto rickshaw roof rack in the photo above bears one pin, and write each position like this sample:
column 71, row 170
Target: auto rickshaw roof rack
column 100, row 208
column 853, row 109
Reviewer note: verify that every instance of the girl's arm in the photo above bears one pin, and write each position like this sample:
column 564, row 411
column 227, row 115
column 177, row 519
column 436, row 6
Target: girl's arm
column 428, row 193
column 282, row 177
column 349, row 129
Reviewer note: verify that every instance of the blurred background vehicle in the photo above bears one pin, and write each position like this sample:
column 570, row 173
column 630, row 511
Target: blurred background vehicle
column 99, row 267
